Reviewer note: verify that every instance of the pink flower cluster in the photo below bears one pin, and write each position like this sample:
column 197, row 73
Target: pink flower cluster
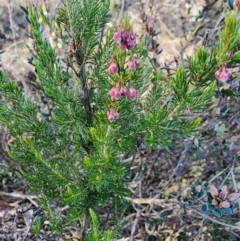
column 223, row 73
column 116, row 93
column 125, row 38
column 222, row 199
column 132, row 65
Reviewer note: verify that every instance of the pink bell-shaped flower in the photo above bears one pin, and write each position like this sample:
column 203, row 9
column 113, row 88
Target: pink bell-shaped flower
column 123, row 46
column 223, row 73
column 124, row 90
column 137, row 62
column 187, row 111
column 114, row 93
column 132, row 94
column 113, row 68
column 132, row 65
column 112, row 115
column 132, row 39
column 117, row 37
column 131, row 44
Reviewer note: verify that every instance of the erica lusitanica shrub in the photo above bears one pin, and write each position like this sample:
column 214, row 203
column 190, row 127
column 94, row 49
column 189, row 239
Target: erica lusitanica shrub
column 101, row 96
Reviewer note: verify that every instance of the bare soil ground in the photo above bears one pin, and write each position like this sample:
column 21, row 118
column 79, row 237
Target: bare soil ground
column 205, row 154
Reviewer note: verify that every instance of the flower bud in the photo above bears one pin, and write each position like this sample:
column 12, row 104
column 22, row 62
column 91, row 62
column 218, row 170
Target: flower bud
column 132, row 93
column 114, row 93
column 213, row 191
column 124, row 35
column 131, row 44
column 187, row 111
column 116, row 115
column 223, row 193
column 128, row 40
column 117, row 37
column 112, row 115
column 132, row 65
column 233, row 196
column 224, row 204
column 113, row 68
column 223, row 73
column 132, row 34
column 137, row 62
column 123, row 46
column 124, row 90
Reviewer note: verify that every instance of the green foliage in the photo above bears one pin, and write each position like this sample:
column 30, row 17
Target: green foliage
column 229, row 36
column 202, row 67
column 205, row 208
column 205, row 62
column 36, row 226
column 96, row 235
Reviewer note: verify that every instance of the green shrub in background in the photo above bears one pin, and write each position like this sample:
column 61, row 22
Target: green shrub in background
column 102, row 97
